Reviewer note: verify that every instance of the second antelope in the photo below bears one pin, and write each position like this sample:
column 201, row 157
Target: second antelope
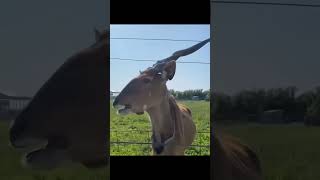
column 173, row 129
column 66, row 120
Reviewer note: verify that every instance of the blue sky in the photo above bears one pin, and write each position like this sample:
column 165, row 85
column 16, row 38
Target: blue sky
column 188, row 76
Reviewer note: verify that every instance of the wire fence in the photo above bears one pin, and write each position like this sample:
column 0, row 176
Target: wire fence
column 155, row 39
column 199, row 147
column 152, row 60
column 265, row 3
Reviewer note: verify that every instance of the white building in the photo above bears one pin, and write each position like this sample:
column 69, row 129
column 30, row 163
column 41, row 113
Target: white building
column 12, row 103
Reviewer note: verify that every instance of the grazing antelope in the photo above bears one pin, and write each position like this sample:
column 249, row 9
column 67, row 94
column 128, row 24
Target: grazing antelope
column 172, row 127
column 66, row 121
column 233, row 160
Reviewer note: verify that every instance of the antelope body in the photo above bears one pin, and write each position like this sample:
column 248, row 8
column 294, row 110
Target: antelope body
column 172, row 126
column 233, row 160
column 66, row 121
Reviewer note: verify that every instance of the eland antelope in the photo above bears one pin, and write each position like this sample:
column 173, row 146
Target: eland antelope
column 233, row 160
column 66, row 121
column 173, row 129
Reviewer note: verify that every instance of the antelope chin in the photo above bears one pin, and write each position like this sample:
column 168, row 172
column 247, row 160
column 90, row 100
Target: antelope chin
column 28, row 143
column 124, row 110
column 45, row 159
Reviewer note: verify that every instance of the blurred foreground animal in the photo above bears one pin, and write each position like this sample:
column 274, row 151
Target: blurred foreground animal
column 233, row 160
column 66, row 121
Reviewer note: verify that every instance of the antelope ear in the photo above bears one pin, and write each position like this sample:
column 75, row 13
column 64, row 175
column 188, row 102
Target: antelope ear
column 97, row 34
column 169, row 70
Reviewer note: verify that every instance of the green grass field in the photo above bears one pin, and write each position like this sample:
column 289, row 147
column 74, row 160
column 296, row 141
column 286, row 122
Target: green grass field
column 132, row 128
column 287, row 152
column 11, row 169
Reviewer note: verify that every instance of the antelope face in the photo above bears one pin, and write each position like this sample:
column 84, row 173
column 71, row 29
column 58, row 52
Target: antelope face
column 27, row 130
column 144, row 91
column 32, row 132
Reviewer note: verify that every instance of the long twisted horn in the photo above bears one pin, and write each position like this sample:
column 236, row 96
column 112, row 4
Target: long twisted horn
column 176, row 55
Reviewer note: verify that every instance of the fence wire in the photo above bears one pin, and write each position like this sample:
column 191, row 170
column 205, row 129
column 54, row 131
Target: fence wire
column 115, row 59
column 154, row 39
column 118, row 142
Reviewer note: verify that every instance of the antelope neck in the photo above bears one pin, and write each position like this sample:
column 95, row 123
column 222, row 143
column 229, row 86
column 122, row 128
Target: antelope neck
column 161, row 120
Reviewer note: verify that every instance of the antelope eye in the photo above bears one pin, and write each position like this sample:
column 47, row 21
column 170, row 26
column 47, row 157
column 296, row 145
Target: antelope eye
column 146, row 80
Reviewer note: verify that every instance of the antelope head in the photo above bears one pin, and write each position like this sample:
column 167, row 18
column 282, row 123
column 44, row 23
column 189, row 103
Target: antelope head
column 65, row 120
column 149, row 87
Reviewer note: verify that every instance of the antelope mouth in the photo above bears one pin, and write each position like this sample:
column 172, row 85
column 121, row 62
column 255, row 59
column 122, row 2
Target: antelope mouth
column 29, row 145
column 45, row 156
column 25, row 144
column 124, row 109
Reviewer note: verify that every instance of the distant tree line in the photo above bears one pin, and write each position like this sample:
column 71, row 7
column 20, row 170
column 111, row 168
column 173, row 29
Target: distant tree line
column 198, row 94
column 252, row 103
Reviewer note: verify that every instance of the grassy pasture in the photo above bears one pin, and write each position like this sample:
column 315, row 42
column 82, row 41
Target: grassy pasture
column 132, row 128
column 287, row 152
column 11, row 169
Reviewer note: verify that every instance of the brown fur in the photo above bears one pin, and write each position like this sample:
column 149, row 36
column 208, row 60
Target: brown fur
column 233, row 160
column 184, row 108
column 185, row 128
